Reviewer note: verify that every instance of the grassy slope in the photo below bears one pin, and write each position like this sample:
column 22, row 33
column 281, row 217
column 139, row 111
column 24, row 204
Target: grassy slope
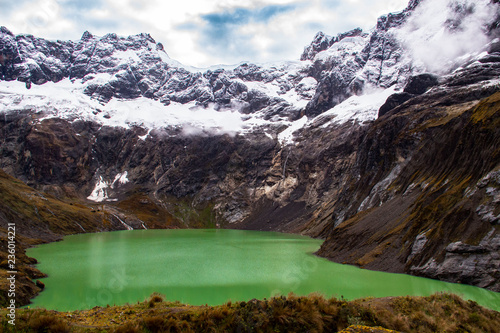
column 39, row 218
column 439, row 312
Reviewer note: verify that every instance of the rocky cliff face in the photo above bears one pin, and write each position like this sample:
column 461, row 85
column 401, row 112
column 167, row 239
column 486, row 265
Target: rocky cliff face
column 428, row 206
column 358, row 143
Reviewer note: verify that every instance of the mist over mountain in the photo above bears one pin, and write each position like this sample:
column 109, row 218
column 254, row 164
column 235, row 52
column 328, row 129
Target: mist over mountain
column 382, row 142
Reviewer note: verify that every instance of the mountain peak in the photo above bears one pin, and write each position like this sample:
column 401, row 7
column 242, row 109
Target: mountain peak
column 6, row 31
column 147, row 37
column 322, row 42
column 87, row 35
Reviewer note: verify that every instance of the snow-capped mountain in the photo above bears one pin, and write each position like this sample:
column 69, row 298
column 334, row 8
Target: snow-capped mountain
column 108, row 79
column 113, row 76
column 366, row 141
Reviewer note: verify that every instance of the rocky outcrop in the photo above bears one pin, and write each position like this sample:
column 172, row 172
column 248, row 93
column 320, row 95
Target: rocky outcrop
column 393, row 101
column 433, row 192
column 355, row 60
column 468, row 264
column 322, row 42
column 417, row 85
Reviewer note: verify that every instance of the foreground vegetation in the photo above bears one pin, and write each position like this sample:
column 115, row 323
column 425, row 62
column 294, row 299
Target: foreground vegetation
column 436, row 313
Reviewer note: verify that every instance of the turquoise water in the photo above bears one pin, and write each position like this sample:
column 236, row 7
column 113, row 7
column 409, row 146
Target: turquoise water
column 210, row 267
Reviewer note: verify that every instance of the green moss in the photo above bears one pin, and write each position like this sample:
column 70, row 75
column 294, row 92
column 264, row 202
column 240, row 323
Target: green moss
column 191, row 215
column 487, row 112
column 153, row 215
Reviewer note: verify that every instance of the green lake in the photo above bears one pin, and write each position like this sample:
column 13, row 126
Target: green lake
column 210, row 267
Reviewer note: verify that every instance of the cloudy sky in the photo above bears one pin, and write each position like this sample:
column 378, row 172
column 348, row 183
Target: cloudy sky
column 200, row 32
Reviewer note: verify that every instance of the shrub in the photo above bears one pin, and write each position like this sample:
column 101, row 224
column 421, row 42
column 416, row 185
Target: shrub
column 46, row 323
column 128, row 328
column 155, row 298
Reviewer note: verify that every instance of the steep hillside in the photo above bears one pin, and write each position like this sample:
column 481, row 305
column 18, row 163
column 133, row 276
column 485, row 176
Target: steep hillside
column 39, row 217
column 436, row 213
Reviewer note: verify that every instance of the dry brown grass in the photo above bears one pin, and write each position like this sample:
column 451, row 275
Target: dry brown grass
column 49, row 322
column 313, row 313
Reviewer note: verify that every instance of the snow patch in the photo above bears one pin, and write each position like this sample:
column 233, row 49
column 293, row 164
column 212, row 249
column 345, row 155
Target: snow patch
column 121, row 178
column 127, row 56
column 269, row 135
column 98, row 79
column 362, row 108
column 66, row 100
column 286, row 137
column 271, row 89
column 100, row 193
column 343, row 51
column 308, row 83
column 144, row 137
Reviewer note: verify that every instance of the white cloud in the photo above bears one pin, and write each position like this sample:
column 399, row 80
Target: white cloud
column 180, row 25
column 39, row 17
column 437, row 40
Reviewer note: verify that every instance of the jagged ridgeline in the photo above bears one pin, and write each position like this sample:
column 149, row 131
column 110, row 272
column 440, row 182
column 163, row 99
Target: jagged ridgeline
column 384, row 142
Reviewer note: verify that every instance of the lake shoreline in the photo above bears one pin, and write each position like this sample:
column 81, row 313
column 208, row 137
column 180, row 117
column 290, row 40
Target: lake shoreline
column 290, row 273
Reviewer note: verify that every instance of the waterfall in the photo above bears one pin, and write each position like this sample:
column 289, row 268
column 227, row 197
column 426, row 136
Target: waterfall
column 124, row 224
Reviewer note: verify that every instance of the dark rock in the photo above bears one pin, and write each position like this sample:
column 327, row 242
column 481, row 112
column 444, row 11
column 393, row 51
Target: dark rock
column 87, row 35
column 419, row 84
column 257, row 100
column 6, row 31
column 473, row 74
column 333, row 88
column 40, row 284
column 249, row 72
column 9, row 55
column 393, row 101
column 320, row 43
column 494, row 57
